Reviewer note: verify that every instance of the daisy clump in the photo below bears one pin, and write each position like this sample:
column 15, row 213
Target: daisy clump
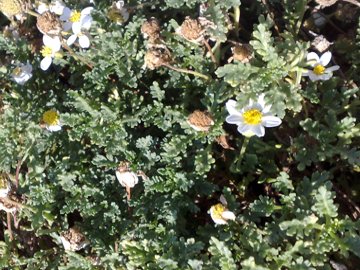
column 50, row 50
column 51, row 119
column 220, row 214
column 22, row 73
column 319, row 71
column 252, row 119
column 79, row 22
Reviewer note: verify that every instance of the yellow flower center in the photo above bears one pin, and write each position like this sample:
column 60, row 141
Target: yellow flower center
column 218, row 209
column 319, row 69
column 51, row 118
column 252, row 117
column 17, row 71
column 46, row 51
column 75, row 16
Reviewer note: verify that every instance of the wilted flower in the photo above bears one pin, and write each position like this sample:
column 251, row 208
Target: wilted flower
column 151, row 29
column 242, row 53
column 51, row 120
column 191, row 30
column 77, row 20
column 73, row 239
column 49, row 50
column 22, row 73
column 118, row 13
column 200, row 121
column 157, row 57
column 125, row 176
column 252, row 119
column 49, row 23
column 220, row 214
column 319, row 72
column 13, row 8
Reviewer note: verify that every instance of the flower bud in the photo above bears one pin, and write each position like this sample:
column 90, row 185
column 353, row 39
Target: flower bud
column 73, row 239
column 200, row 120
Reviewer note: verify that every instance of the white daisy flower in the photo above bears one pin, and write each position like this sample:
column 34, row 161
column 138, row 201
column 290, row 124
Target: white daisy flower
column 51, row 120
column 319, row 72
column 220, row 214
column 252, row 119
column 50, row 49
column 22, row 73
column 127, row 178
column 84, row 40
column 56, row 7
column 76, row 20
column 118, row 13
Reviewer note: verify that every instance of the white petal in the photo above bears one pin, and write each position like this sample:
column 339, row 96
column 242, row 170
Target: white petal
column 86, row 11
column 243, row 128
column 71, row 40
column 228, row 215
column 119, row 4
column 325, row 77
column 27, row 68
column 234, row 119
column 261, row 100
column 313, row 58
column 66, row 14
column 76, row 27
column 86, row 22
column 56, row 44
column 67, row 26
column 45, row 63
column 54, row 128
column 231, row 107
column 42, row 8
column 258, row 130
column 47, row 40
column 313, row 76
column 266, row 109
column 84, row 41
column 325, row 59
column 331, row 69
column 223, row 200
column 271, row 121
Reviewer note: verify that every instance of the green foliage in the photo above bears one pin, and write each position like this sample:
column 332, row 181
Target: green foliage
column 292, row 191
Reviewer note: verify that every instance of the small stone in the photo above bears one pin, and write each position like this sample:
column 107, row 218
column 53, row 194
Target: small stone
column 321, row 44
column 48, row 23
column 200, row 120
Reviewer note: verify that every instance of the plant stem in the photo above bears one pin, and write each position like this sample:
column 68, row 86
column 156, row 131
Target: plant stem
column 197, row 74
column 32, row 13
column 237, row 20
column 243, row 148
column 354, row 2
column 77, row 57
column 210, row 51
column 8, row 215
